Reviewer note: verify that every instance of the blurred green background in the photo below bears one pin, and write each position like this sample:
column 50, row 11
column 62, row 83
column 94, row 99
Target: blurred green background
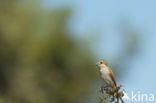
column 42, row 61
column 39, row 61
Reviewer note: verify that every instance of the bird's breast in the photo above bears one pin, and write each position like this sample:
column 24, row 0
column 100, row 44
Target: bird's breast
column 104, row 71
column 105, row 74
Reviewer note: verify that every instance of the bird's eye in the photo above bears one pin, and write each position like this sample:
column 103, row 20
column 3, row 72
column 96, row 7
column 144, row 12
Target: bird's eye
column 101, row 62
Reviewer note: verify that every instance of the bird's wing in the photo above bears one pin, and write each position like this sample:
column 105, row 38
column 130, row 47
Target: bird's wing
column 112, row 76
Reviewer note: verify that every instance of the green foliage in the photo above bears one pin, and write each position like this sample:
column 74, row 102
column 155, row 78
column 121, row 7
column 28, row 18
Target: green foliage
column 111, row 94
column 39, row 62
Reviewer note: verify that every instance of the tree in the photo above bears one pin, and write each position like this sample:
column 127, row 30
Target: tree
column 40, row 62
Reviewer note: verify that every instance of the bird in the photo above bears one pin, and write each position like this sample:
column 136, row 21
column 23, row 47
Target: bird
column 106, row 74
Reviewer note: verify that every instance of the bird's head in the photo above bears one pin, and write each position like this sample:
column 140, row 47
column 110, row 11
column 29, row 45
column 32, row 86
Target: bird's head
column 101, row 64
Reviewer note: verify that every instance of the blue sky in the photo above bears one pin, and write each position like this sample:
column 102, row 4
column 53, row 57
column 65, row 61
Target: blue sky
column 104, row 16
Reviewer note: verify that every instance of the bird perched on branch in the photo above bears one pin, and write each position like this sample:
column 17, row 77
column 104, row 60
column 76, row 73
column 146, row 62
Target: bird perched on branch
column 110, row 86
column 106, row 74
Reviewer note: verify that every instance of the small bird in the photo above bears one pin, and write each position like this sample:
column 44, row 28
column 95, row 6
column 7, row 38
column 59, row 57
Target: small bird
column 106, row 74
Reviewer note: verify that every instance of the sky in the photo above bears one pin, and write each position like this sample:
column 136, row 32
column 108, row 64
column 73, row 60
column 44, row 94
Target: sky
column 104, row 16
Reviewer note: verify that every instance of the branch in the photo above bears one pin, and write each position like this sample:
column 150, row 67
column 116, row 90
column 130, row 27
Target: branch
column 113, row 94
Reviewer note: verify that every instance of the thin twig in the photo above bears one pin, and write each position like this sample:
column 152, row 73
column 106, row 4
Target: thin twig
column 121, row 100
